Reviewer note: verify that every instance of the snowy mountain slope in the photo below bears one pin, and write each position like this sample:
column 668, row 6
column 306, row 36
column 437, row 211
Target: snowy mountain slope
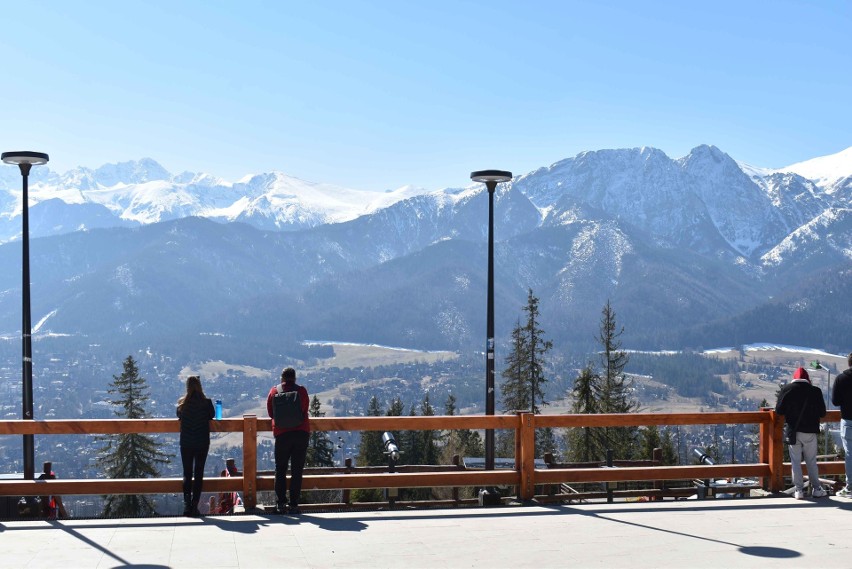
column 144, row 192
column 825, row 171
column 704, row 201
column 830, row 233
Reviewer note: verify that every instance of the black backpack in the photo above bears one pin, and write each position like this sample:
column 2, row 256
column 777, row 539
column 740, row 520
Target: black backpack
column 287, row 408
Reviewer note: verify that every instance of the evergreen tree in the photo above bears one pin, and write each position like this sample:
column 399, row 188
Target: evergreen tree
column 320, row 447
column 130, row 455
column 371, row 450
column 515, row 389
column 615, row 387
column 650, row 439
column 581, row 442
column 421, row 448
column 428, row 439
column 538, row 348
column 370, row 453
column 670, row 455
column 396, row 408
column 522, row 388
column 463, row 442
column 410, row 443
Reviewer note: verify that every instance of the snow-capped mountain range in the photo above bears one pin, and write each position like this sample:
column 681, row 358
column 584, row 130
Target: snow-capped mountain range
column 754, row 209
column 676, row 244
column 142, row 192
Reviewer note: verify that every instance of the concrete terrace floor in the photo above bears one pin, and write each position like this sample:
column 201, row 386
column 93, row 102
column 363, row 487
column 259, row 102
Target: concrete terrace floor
column 748, row 532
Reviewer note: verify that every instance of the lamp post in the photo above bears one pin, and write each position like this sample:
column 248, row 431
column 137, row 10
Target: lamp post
column 26, row 160
column 490, row 178
column 816, row 365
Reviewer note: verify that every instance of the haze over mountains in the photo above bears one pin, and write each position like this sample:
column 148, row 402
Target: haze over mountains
column 696, row 251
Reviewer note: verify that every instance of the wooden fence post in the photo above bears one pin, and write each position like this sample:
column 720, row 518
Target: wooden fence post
column 526, row 436
column 772, row 448
column 250, row 461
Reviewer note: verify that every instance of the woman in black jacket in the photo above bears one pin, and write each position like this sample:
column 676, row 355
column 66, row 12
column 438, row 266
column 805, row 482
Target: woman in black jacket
column 195, row 411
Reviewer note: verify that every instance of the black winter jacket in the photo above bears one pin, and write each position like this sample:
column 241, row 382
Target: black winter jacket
column 792, row 401
column 841, row 394
column 195, row 421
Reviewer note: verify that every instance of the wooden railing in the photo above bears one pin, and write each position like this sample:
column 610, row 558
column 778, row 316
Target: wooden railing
column 769, row 467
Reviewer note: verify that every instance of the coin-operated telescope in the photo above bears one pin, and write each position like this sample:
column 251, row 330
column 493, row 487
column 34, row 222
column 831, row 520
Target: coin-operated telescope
column 391, row 448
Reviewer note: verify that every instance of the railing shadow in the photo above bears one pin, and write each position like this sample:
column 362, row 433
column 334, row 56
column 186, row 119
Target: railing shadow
column 753, row 550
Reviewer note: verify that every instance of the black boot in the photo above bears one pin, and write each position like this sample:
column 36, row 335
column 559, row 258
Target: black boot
column 194, row 508
column 187, row 504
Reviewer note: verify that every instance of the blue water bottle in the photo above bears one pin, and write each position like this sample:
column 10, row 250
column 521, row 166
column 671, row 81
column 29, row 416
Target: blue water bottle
column 218, row 409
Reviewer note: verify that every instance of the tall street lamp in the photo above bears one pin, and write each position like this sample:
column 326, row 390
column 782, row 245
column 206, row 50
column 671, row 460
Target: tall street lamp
column 490, row 178
column 816, row 365
column 26, row 160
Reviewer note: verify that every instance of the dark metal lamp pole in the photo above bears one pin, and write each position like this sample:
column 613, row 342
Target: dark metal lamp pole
column 490, row 178
column 816, row 365
column 25, row 161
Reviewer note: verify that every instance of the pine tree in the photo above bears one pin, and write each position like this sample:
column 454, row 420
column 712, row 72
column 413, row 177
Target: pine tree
column 320, row 447
column 522, row 388
column 615, row 387
column 130, row 455
column 650, row 439
column 421, row 448
column 670, row 455
column 371, row 450
column 462, row 442
column 428, row 438
column 538, row 348
column 581, row 442
column 370, row 453
column 515, row 388
column 410, row 443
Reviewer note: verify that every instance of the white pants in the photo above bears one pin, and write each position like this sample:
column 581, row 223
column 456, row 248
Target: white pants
column 846, row 437
column 806, row 444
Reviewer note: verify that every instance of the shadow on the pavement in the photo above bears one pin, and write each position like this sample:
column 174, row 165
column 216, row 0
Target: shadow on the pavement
column 106, row 551
column 754, row 550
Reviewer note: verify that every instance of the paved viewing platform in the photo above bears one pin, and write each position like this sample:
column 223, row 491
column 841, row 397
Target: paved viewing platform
column 746, row 532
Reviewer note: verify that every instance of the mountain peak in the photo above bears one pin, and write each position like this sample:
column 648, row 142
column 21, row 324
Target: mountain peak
column 131, row 172
column 825, row 168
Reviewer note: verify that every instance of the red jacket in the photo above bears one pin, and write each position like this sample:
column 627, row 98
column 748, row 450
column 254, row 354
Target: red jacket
column 303, row 399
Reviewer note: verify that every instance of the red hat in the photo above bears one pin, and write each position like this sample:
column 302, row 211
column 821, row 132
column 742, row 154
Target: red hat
column 801, row 374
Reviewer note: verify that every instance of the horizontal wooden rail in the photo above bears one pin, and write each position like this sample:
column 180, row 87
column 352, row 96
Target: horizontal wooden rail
column 632, row 474
column 99, row 486
column 642, row 419
column 524, row 476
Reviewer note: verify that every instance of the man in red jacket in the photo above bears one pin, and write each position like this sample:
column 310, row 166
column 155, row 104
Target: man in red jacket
column 802, row 405
column 291, row 445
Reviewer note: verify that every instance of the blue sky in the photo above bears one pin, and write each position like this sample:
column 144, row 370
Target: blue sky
column 375, row 95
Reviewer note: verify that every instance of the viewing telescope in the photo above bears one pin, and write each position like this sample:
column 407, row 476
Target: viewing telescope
column 391, row 448
column 703, row 457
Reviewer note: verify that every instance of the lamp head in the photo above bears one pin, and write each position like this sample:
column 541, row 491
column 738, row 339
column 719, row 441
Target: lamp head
column 491, row 176
column 24, row 157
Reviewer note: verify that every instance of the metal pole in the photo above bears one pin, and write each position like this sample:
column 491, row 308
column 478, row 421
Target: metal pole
column 26, row 331
column 489, row 342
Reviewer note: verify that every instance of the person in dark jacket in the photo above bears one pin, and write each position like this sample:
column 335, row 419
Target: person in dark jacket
column 291, row 446
column 802, row 405
column 841, row 396
column 195, row 411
